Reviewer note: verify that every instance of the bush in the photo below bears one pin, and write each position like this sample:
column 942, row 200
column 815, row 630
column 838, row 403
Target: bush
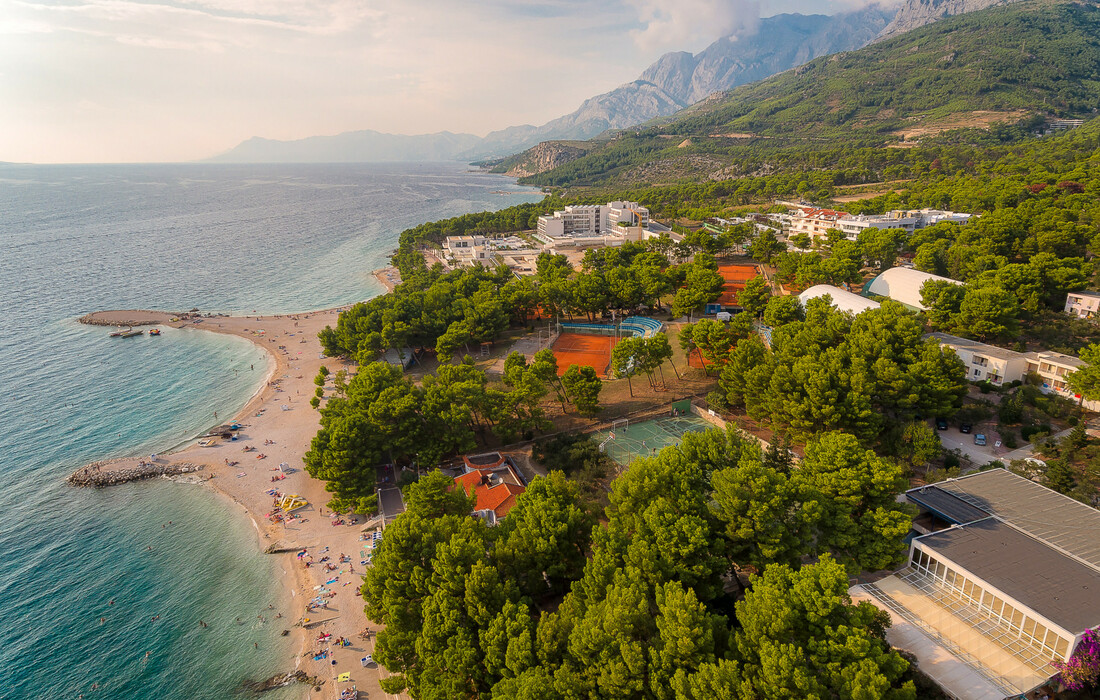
column 1011, row 410
column 572, row 453
column 1008, row 437
column 974, row 413
column 717, row 401
column 315, row 402
column 951, row 460
column 1028, row 431
column 1073, row 421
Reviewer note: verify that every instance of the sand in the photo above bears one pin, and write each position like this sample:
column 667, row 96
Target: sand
column 291, row 343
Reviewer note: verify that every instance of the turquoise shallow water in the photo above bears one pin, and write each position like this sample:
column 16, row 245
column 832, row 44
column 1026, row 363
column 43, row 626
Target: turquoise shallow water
column 225, row 238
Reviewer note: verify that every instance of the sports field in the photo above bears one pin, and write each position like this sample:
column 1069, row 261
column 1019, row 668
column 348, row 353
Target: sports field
column 735, row 277
column 624, row 444
column 585, row 350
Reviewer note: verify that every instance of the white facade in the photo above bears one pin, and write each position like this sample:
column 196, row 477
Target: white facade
column 853, row 225
column 1053, row 368
column 842, row 299
column 931, row 217
column 814, row 222
column 468, row 250
column 591, row 220
column 904, row 284
column 986, row 362
column 628, row 213
column 1083, row 304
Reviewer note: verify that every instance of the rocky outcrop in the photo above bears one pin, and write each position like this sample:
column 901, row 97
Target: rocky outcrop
column 545, row 156
column 92, row 474
column 281, row 680
column 917, row 13
column 781, row 43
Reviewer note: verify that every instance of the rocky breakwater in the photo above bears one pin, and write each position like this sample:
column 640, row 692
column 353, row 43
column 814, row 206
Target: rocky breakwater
column 93, row 475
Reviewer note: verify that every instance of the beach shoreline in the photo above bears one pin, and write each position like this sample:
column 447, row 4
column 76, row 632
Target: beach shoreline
column 277, row 425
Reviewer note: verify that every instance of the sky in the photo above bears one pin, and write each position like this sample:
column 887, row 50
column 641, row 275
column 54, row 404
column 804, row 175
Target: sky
column 96, row 81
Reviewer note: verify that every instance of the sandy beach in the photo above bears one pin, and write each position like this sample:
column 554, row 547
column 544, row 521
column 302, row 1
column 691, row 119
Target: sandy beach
column 277, row 426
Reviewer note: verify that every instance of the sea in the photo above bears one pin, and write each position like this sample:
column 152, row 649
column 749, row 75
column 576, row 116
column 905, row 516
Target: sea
column 103, row 590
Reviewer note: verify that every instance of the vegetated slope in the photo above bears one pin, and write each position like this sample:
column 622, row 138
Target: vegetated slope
column 1035, row 57
column 1039, row 55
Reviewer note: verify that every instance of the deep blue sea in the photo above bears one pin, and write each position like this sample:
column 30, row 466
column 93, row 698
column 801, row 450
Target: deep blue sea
column 225, row 238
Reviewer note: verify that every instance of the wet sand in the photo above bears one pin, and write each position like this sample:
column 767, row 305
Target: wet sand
column 280, row 412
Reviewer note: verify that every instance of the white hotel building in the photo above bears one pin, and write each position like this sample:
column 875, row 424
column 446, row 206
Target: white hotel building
column 590, row 221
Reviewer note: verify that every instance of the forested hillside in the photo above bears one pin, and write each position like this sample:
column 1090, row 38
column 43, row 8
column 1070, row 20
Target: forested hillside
column 1004, row 65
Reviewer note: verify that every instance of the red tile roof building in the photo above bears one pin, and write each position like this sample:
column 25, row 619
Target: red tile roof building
column 815, row 222
column 495, row 491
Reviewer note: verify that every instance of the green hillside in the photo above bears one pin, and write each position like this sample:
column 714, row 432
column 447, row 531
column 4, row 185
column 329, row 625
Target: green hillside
column 1026, row 57
column 956, row 78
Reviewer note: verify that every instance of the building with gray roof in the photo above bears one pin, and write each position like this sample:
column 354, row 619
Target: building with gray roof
column 1005, row 577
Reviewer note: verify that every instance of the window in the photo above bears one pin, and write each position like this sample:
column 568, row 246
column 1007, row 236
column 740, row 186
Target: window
column 1061, row 647
column 969, row 590
column 1016, row 619
column 995, row 605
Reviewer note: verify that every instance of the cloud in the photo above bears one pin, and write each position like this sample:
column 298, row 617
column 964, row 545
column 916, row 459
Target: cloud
column 692, row 24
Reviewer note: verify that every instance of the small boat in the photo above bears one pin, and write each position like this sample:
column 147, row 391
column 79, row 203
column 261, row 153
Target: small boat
column 154, row 331
column 131, row 333
column 117, row 333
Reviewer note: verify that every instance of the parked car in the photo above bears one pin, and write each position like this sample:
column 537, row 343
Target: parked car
column 979, row 440
column 965, row 427
column 941, row 424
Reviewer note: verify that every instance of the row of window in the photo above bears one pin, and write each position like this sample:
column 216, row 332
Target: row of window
column 1031, row 631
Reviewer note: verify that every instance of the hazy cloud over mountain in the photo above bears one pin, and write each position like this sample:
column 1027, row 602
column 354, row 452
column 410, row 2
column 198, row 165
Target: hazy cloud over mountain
column 130, row 80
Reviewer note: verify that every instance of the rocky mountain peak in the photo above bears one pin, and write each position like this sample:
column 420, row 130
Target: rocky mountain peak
column 917, row 13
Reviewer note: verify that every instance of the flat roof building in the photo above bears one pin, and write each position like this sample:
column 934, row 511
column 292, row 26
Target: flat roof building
column 1053, row 368
column 1005, row 579
column 594, row 222
column 1083, row 304
column 852, row 226
column 985, row 362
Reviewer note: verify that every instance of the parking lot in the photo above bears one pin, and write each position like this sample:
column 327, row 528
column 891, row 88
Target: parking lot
column 952, row 439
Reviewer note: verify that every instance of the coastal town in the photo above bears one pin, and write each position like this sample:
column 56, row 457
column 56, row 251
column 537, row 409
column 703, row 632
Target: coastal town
column 975, row 485
column 342, row 361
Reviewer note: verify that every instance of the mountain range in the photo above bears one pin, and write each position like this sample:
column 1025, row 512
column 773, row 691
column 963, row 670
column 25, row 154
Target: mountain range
column 981, row 79
column 675, row 81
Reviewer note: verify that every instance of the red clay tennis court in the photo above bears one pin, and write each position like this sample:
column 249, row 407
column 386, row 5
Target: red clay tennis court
column 585, row 350
column 737, row 273
column 735, row 276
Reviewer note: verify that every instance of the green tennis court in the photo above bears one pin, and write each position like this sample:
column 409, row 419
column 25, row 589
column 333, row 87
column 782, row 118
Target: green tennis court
column 626, row 440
